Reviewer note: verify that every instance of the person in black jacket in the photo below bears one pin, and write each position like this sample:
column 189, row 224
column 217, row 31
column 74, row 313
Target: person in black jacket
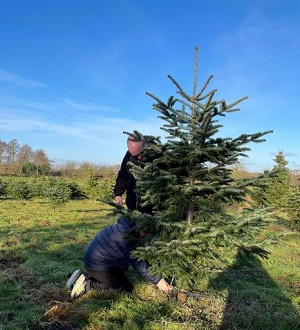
column 106, row 261
column 126, row 182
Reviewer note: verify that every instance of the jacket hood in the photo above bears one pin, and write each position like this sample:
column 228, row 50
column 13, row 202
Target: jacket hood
column 125, row 222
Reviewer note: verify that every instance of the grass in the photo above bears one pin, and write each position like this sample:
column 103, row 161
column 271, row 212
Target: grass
column 39, row 247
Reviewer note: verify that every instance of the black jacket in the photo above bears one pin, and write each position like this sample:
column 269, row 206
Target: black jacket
column 126, row 182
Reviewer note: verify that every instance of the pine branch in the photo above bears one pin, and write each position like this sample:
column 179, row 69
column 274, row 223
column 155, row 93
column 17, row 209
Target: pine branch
column 203, row 88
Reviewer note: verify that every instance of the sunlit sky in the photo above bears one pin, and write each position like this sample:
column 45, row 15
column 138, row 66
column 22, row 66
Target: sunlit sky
column 73, row 73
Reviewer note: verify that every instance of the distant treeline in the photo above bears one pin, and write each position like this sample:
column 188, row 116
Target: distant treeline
column 22, row 160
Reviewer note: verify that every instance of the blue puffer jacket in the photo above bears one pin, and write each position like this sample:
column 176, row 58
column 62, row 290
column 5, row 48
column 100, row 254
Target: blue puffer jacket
column 110, row 249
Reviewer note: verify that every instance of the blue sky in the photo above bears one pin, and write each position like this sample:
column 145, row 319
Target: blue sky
column 73, row 73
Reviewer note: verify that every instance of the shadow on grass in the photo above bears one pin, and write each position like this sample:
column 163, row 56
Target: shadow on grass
column 254, row 300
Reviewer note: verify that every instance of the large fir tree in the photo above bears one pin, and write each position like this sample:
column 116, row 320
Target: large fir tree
column 190, row 187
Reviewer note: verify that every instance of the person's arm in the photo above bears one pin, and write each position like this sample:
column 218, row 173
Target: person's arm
column 142, row 267
column 121, row 181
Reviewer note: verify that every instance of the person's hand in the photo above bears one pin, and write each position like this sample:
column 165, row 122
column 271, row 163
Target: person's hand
column 164, row 286
column 119, row 200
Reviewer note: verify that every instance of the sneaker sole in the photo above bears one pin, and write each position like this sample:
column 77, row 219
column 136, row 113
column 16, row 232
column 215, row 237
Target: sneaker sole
column 73, row 278
column 81, row 279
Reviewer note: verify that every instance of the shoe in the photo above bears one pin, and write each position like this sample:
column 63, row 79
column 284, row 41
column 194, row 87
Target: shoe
column 79, row 287
column 73, row 278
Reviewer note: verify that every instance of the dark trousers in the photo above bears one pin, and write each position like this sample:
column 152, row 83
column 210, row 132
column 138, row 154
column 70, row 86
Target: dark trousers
column 113, row 278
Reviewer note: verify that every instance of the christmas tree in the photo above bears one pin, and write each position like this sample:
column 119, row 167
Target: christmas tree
column 275, row 190
column 189, row 185
column 293, row 206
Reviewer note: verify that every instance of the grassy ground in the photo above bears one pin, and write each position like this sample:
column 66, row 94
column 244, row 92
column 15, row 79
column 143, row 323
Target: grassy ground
column 39, row 247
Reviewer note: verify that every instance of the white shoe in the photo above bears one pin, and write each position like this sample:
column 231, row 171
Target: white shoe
column 73, row 278
column 79, row 287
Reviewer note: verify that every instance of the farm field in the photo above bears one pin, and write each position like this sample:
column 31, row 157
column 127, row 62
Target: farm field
column 40, row 245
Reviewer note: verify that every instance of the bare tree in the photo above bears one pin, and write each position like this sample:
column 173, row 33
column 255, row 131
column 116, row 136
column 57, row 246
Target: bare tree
column 3, row 147
column 12, row 150
column 41, row 161
column 25, row 155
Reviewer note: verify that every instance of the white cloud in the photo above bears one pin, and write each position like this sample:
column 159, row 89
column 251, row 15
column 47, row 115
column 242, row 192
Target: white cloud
column 15, row 79
column 88, row 106
column 96, row 128
column 13, row 123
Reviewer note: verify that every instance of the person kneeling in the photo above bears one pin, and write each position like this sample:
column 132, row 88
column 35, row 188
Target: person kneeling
column 106, row 261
